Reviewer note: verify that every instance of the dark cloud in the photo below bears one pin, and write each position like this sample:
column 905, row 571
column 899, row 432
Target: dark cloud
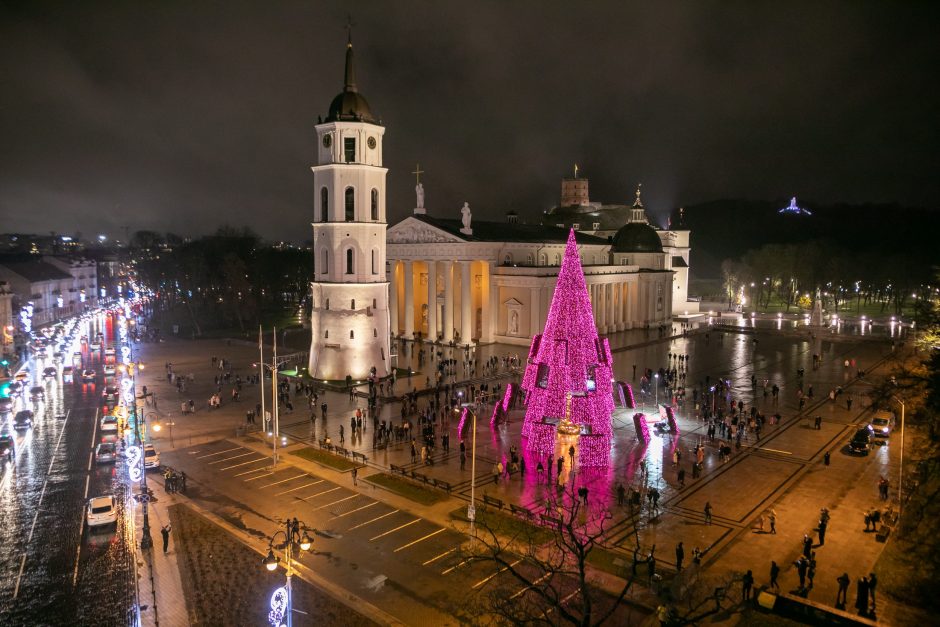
column 181, row 116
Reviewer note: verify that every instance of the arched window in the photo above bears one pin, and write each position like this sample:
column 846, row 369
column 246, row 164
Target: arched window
column 528, row 260
column 351, row 335
column 375, row 332
column 325, row 263
column 375, row 204
column 349, row 261
column 507, row 260
column 324, row 204
column 543, row 259
column 557, row 259
column 373, row 304
column 350, row 204
column 327, row 303
column 374, row 271
column 326, row 334
column 352, row 304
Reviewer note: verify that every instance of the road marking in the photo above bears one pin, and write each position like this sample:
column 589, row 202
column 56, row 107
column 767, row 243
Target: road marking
column 248, row 472
column 90, row 455
column 336, row 502
column 268, row 485
column 306, row 485
column 78, row 555
column 433, row 533
column 254, row 461
column 16, row 590
column 434, row 559
column 225, row 459
column 87, row 478
column 453, row 568
column 534, row 583
column 353, row 511
column 501, row 570
column 267, row 474
column 398, row 528
column 373, row 520
column 321, row 493
column 220, row 452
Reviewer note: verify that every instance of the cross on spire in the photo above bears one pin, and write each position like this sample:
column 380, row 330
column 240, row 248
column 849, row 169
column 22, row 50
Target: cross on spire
column 349, row 27
column 418, row 172
column 576, row 170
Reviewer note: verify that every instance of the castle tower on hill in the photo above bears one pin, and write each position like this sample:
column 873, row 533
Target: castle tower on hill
column 350, row 319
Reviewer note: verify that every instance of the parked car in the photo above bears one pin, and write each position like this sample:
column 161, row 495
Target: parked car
column 151, row 457
column 7, row 448
column 50, row 372
column 861, row 441
column 23, row 419
column 102, row 510
column 882, row 423
column 106, row 453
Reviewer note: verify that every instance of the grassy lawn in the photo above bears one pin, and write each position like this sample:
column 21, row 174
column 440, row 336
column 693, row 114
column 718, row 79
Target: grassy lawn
column 506, row 525
column 325, row 458
column 406, row 488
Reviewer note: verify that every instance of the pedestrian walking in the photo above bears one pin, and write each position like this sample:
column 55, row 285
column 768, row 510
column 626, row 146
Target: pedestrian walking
column 773, row 521
column 822, row 532
column 801, row 565
column 747, row 582
column 807, row 545
column 355, row 475
column 872, row 583
column 621, row 493
column 165, row 532
column 774, row 573
column 651, row 565
column 708, row 513
column 861, row 596
column 826, row 458
column 680, row 555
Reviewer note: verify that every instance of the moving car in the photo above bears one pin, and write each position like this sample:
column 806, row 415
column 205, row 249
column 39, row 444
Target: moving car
column 109, row 423
column 102, row 511
column 110, row 394
column 6, row 447
column 50, row 372
column 6, row 405
column 88, row 374
column 37, row 393
column 109, row 370
column 106, row 453
column 67, row 374
column 95, row 345
column 882, row 423
column 23, row 419
column 861, row 441
column 151, row 457
column 109, row 354
column 77, row 359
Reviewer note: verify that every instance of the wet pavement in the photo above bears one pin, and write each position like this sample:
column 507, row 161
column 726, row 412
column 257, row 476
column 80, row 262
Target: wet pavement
column 55, row 571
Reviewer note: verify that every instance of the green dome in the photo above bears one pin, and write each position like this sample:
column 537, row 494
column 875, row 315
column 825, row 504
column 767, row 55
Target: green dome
column 637, row 237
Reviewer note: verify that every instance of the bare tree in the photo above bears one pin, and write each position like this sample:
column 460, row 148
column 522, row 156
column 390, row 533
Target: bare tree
column 550, row 564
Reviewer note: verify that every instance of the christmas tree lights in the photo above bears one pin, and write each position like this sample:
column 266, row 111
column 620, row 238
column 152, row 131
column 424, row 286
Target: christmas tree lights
column 500, row 409
column 568, row 358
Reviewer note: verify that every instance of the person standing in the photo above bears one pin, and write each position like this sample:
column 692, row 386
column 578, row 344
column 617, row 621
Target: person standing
column 680, row 555
column 708, row 513
column 747, row 582
column 843, row 581
column 621, row 493
column 355, row 475
column 861, row 596
column 773, row 521
column 822, row 532
column 165, row 532
column 872, row 583
column 774, row 573
column 801, row 565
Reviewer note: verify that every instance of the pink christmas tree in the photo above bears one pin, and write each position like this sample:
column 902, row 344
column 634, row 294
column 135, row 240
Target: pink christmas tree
column 568, row 358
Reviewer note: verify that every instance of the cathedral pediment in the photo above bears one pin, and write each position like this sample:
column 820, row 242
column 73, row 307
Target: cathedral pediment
column 411, row 231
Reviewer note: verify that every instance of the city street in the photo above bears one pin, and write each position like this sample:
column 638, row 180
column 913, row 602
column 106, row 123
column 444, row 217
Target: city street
column 54, row 569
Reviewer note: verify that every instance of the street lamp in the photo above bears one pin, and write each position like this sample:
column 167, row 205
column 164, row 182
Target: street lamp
column 157, row 427
column 471, row 509
column 901, row 470
column 270, row 562
column 656, row 385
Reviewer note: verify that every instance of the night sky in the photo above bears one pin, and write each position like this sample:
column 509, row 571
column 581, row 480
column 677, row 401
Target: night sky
column 181, row 116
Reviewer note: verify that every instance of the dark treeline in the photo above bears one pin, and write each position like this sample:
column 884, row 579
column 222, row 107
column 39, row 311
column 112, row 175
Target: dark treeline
column 788, row 273
column 228, row 279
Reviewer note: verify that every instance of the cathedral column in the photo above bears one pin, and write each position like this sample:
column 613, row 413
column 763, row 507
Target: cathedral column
column 409, row 279
column 488, row 302
column 432, row 300
column 393, row 298
column 602, row 308
column 535, row 305
column 466, row 302
column 448, row 323
column 611, row 308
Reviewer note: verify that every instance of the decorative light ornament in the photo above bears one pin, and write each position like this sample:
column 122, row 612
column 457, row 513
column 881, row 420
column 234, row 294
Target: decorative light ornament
column 133, row 462
column 278, row 607
column 500, row 409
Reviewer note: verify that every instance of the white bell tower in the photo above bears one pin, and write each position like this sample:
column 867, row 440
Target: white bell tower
column 350, row 320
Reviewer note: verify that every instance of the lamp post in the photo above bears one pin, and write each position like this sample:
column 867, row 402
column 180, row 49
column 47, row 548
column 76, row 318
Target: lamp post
column 157, row 426
column 271, row 561
column 471, row 509
column 656, row 385
column 146, row 540
column 901, row 469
